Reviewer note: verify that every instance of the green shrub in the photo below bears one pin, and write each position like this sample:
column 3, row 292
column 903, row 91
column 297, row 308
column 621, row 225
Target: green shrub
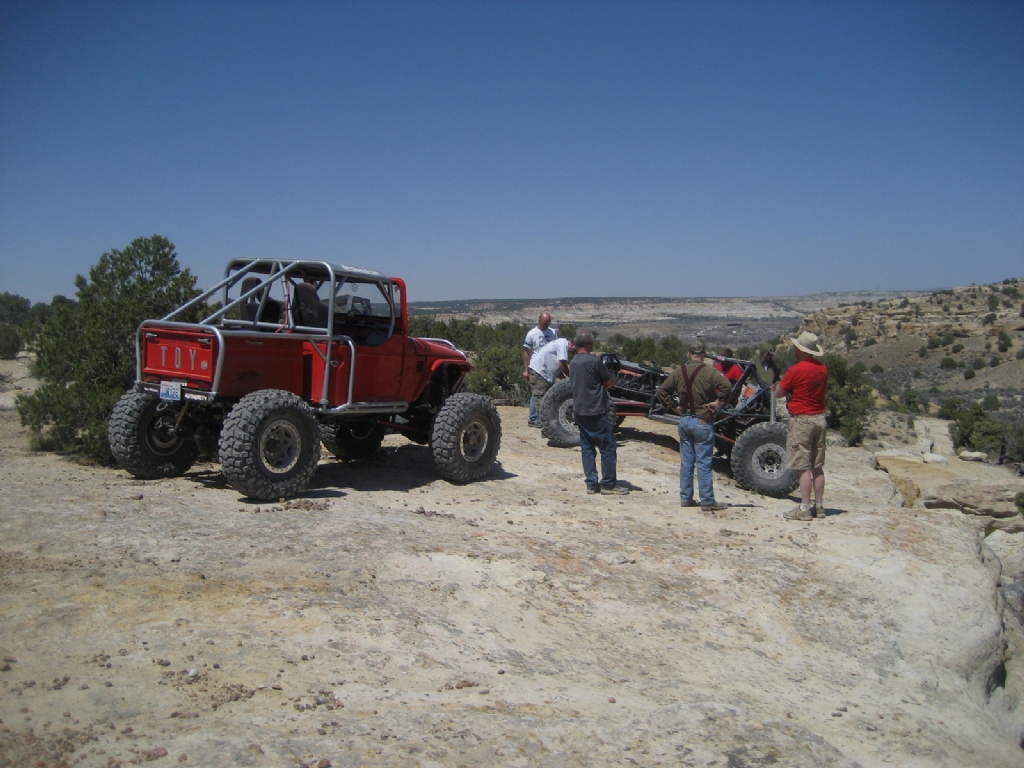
column 11, row 342
column 498, row 373
column 948, row 363
column 848, row 398
column 876, row 368
column 950, row 408
column 923, row 351
column 870, row 342
column 957, row 348
column 989, row 318
column 993, row 303
column 990, row 402
column 85, row 354
column 1020, row 354
column 996, row 360
column 969, row 374
column 978, row 363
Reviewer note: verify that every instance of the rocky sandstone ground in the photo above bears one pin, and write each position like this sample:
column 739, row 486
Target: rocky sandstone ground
column 389, row 618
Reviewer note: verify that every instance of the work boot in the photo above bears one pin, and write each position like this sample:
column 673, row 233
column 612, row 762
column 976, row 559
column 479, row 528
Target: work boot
column 801, row 513
column 715, row 506
column 616, row 490
column 689, row 503
column 593, row 489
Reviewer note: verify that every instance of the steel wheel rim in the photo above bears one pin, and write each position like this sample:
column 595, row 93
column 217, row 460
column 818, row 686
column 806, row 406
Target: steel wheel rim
column 474, row 440
column 160, row 435
column 280, row 445
column 769, row 461
column 566, row 415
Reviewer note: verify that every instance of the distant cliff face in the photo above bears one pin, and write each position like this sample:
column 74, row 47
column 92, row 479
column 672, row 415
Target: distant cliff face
column 967, row 342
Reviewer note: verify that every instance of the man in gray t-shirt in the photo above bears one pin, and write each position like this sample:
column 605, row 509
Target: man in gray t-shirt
column 591, row 381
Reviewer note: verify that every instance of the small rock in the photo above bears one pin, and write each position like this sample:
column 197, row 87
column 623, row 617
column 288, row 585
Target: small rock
column 611, row 699
column 10, row 660
column 123, row 652
column 5, row 667
column 163, row 662
column 934, row 458
column 972, row 456
column 84, row 687
column 153, row 754
column 837, row 714
column 183, row 758
column 325, row 763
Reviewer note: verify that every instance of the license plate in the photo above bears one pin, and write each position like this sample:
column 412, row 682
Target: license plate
column 170, row 390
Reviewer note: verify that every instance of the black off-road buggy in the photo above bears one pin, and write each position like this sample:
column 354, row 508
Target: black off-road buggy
column 747, row 433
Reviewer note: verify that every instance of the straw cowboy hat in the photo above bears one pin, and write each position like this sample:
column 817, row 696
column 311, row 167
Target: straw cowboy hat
column 808, row 342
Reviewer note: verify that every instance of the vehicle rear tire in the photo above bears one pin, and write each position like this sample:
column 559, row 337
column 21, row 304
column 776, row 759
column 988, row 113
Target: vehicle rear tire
column 142, row 437
column 557, row 422
column 759, row 460
column 270, row 445
column 465, row 438
column 352, row 439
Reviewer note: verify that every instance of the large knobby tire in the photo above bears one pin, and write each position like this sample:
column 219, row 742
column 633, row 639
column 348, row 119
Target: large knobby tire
column 556, row 415
column 759, row 460
column 557, row 421
column 142, row 437
column 352, row 439
column 465, row 438
column 270, row 445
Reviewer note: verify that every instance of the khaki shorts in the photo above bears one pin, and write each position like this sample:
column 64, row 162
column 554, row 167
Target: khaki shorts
column 805, row 442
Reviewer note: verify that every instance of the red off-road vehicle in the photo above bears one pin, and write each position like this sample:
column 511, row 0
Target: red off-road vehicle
column 292, row 353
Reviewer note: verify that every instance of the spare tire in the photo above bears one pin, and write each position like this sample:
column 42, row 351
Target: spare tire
column 759, row 460
column 556, row 417
column 557, row 422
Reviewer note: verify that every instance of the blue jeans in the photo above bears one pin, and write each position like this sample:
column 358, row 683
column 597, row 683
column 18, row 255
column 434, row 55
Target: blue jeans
column 533, row 410
column 597, row 434
column 696, row 444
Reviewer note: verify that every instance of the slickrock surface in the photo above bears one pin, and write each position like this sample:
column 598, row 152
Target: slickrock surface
column 388, row 618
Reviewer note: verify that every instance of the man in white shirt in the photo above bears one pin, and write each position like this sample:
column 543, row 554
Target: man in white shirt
column 536, row 338
column 549, row 363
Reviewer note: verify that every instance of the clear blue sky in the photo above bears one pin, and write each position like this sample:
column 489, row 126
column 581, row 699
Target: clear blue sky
column 520, row 149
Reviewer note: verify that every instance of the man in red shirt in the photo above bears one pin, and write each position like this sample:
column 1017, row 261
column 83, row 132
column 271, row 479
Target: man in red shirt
column 729, row 369
column 804, row 387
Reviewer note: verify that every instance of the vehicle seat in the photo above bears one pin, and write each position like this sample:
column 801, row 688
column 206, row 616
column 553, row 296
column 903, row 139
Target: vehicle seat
column 307, row 308
column 271, row 308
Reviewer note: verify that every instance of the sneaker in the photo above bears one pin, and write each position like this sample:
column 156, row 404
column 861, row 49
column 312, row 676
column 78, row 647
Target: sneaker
column 593, row 489
column 616, row 490
column 714, row 506
column 799, row 513
column 819, row 511
column 535, row 424
column 689, row 503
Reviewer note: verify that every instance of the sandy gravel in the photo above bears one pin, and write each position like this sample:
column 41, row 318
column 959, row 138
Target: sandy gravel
column 389, row 618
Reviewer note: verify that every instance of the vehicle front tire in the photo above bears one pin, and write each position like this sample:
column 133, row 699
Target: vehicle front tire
column 270, row 445
column 352, row 439
column 143, row 440
column 759, row 460
column 465, row 438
